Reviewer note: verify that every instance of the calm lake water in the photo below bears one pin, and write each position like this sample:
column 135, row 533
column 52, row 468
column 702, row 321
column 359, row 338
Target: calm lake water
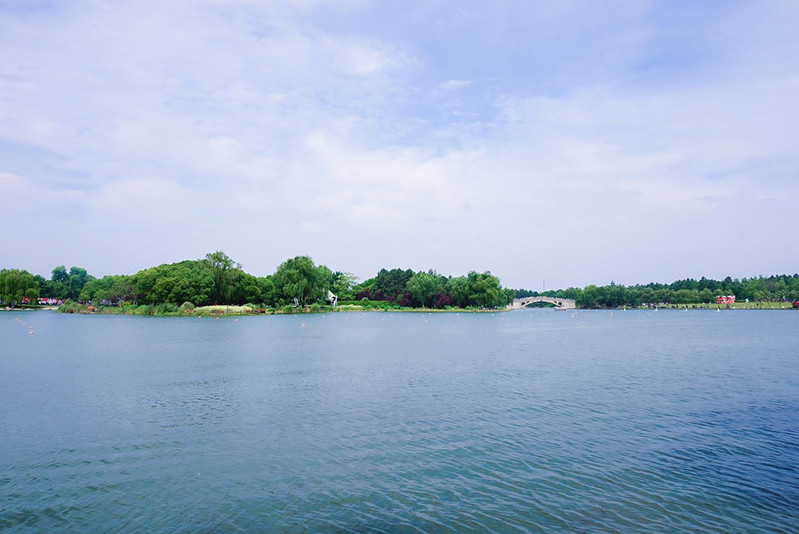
column 526, row 421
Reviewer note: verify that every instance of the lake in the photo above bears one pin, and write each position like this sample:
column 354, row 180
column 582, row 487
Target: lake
column 524, row 421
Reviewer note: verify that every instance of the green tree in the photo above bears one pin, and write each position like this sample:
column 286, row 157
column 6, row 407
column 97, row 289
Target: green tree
column 60, row 275
column 342, row 285
column 223, row 269
column 176, row 283
column 123, row 289
column 485, row 289
column 589, row 298
column 97, row 290
column 16, row 285
column 685, row 296
column 389, row 285
column 58, row 285
column 780, row 291
column 460, row 291
column 424, row 287
column 246, row 288
column 646, row 295
column 706, row 296
column 78, row 277
column 269, row 292
column 614, row 296
column 298, row 280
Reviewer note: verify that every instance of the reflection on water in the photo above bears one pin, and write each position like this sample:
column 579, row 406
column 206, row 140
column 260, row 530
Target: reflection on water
column 521, row 421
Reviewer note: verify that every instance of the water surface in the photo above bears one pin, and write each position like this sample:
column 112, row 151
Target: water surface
column 525, row 421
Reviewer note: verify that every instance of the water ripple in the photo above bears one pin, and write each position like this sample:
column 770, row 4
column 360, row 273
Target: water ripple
column 384, row 423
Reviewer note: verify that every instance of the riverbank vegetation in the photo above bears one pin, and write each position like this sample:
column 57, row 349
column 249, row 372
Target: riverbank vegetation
column 216, row 284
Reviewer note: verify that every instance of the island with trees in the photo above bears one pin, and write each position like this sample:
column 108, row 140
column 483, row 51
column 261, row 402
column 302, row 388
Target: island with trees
column 216, row 284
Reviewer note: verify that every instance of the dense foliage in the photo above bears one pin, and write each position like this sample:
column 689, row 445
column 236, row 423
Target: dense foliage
column 298, row 282
column 432, row 290
column 17, row 287
column 218, row 280
column 64, row 284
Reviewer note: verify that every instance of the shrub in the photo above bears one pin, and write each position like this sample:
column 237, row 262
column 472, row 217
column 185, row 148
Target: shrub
column 166, row 308
column 70, row 307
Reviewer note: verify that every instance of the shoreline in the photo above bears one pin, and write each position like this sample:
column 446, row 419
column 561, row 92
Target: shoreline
column 239, row 311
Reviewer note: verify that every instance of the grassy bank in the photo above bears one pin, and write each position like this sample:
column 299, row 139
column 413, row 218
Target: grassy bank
column 714, row 306
column 169, row 310
column 189, row 310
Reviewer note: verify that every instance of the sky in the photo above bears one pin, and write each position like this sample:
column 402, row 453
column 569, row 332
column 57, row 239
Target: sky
column 555, row 144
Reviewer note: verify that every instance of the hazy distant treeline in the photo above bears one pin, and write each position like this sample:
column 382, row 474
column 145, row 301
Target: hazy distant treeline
column 688, row 291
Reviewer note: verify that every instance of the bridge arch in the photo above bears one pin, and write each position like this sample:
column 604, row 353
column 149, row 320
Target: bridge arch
column 567, row 304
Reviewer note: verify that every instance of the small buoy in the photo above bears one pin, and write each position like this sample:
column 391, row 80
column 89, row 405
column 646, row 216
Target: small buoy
column 303, row 325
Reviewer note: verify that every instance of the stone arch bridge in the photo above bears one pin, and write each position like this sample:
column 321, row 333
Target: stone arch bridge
column 567, row 304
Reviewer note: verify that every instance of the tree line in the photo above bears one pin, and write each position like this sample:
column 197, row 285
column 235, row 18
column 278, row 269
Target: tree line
column 688, row 291
column 406, row 288
column 217, row 279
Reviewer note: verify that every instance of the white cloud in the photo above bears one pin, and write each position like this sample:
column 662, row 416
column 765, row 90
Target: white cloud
column 454, row 85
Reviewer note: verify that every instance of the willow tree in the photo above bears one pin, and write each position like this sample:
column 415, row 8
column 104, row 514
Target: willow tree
column 224, row 270
column 485, row 289
column 425, row 286
column 15, row 285
column 298, row 280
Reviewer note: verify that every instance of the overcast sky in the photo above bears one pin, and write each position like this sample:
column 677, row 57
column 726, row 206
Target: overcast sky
column 563, row 142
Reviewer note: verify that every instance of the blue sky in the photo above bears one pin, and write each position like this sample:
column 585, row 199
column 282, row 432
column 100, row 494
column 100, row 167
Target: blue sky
column 571, row 142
